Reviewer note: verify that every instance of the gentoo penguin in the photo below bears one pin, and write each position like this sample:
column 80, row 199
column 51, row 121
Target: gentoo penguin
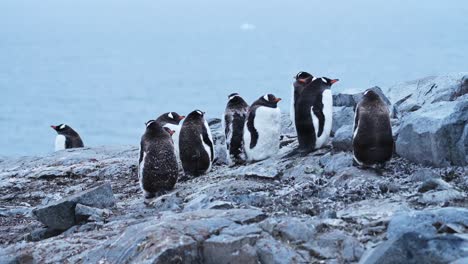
column 263, row 128
column 157, row 165
column 313, row 110
column 172, row 121
column 196, row 144
column 372, row 135
column 233, row 125
column 302, row 78
column 67, row 138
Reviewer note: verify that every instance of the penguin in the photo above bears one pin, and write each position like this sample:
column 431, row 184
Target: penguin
column 373, row 142
column 196, row 144
column 263, row 128
column 67, row 138
column 172, row 121
column 157, row 164
column 301, row 79
column 233, row 126
column 313, row 110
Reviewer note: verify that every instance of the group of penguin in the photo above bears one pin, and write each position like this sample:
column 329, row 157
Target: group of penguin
column 252, row 133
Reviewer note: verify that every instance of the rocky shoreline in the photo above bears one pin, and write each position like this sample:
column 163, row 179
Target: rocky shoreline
column 313, row 209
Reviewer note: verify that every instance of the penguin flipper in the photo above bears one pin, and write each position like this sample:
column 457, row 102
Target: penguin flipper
column 207, row 141
column 356, row 119
column 253, row 132
column 318, row 112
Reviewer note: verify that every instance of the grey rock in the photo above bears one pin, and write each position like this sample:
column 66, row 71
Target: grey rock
column 338, row 162
column 424, row 174
column 413, row 95
column 441, row 197
column 229, row 249
column 42, row 233
column 342, row 116
column 335, row 244
column 418, row 248
column 61, row 214
column 432, row 135
column 270, row 251
column 85, row 213
column 167, row 202
column 425, row 222
column 434, row 184
column 343, row 139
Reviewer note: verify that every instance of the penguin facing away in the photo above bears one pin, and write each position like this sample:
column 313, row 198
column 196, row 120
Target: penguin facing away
column 157, row 164
column 233, row 123
column 313, row 111
column 172, row 121
column 373, row 142
column 196, row 144
column 66, row 138
column 301, row 79
column 263, row 128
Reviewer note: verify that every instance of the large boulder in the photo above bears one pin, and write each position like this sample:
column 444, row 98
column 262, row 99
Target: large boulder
column 413, row 95
column 436, row 134
column 60, row 215
column 432, row 236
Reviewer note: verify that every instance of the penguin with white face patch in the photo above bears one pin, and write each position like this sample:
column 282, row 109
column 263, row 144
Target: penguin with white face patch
column 67, row 138
column 373, row 142
column 157, row 165
column 196, row 144
column 172, row 121
column 313, row 111
column 263, row 129
column 233, row 126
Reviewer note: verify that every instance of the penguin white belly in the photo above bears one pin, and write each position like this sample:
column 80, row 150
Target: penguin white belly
column 175, row 137
column 292, row 111
column 327, row 101
column 268, row 125
column 141, row 167
column 60, row 142
column 206, row 146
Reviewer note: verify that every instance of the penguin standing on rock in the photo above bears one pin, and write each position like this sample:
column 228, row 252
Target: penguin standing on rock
column 172, row 121
column 373, row 142
column 263, row 128
column 233, row 126
column 67, row 138
column 196, row 144
column 157, row 165
column 313, row 110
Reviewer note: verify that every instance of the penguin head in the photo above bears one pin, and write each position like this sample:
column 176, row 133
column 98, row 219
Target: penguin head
column 269, row 100
column 370, row 94
column 169, row 131
column 233, row 96
column 171, row 118
column 303, row 77
column 154, row 128
column 195, row 115
column 62, row 129
column 329, row 81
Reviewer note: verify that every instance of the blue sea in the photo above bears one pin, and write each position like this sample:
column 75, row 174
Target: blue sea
column 105, row 67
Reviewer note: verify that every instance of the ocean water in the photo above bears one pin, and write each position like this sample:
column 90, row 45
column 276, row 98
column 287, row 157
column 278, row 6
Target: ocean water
column 106, row 67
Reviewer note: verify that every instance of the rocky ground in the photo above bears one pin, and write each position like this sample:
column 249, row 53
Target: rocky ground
column 85, row 205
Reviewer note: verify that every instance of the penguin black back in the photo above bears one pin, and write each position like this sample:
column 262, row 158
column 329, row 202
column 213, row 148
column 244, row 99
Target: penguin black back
column 234, row 121
column 372, row 134
column 196, row 144
column 71, row 138
column 157, row 165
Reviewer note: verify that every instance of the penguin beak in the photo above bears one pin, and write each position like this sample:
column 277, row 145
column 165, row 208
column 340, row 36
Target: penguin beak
column 301, row 80
column 277, row 100
column 171, row 132
column 54, row 127
column 334, row 81
column 181, row 118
